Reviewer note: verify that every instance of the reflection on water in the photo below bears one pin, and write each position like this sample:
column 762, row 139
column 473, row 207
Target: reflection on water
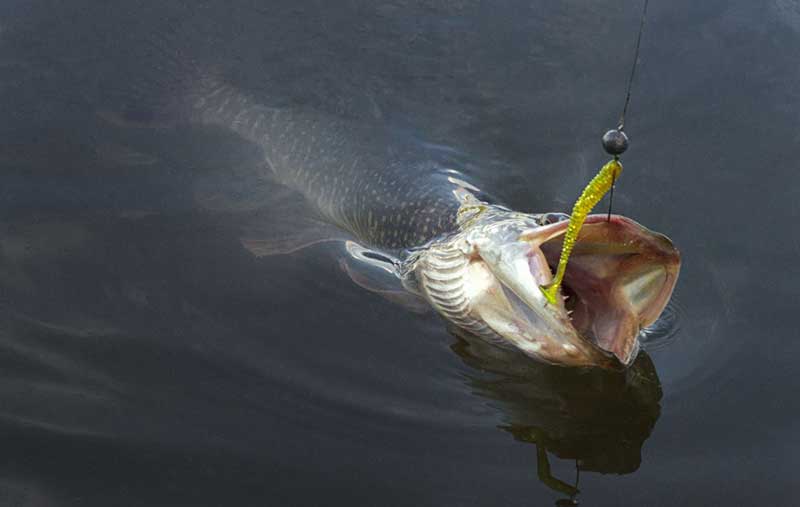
column 596, row 417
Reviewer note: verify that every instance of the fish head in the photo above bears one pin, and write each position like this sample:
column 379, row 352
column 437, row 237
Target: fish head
column 618, row 280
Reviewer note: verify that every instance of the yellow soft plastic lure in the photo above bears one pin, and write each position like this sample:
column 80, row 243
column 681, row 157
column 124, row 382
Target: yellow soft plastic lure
column 591, row 195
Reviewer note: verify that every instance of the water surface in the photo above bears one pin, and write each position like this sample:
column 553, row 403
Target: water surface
column 146, row 358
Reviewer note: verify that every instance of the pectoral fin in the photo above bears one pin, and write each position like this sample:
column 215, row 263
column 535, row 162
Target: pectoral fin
column 275, row 236
column 376, row 272
column 283, row 223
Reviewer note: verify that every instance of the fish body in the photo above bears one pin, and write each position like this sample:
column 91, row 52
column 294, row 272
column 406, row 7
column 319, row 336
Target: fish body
column 357, row 177
column 479, row 264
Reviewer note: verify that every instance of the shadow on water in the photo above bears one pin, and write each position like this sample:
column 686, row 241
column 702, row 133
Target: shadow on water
column 598, row 418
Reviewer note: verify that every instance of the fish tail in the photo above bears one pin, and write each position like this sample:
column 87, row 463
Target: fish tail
column 162, row 87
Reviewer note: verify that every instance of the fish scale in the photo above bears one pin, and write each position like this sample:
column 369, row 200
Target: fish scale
column 342, row 166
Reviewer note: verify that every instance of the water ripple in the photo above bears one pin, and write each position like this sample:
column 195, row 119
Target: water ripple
column 665, row 330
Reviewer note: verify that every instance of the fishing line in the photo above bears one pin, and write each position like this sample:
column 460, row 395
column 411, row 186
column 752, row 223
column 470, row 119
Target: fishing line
column 615, row 141
column 634, row 65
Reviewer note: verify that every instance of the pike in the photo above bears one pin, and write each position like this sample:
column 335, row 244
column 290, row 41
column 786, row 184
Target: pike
column 486, row 269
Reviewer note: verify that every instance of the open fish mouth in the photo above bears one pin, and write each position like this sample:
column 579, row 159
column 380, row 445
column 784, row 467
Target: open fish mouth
column 619, row 279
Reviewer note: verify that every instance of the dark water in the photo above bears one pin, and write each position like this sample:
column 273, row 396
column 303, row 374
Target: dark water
column 147, row 359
